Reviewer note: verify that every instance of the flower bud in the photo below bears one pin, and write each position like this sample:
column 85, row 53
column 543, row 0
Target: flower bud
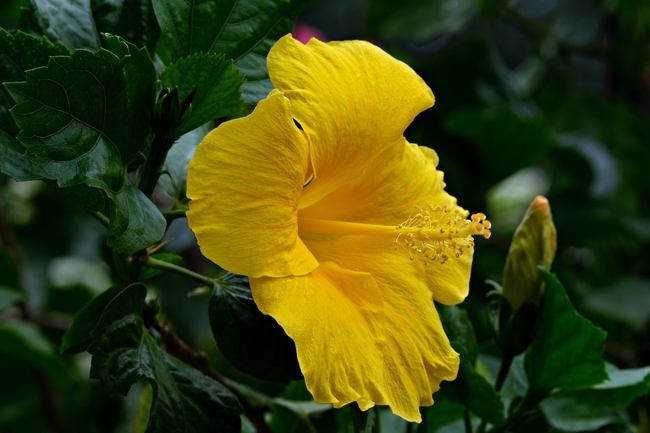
column 534, row 244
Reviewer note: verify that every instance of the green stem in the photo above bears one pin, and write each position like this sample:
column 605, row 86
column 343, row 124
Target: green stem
column 173, row 214
column 153, row 166
column 100, row 217
column 468, row 420
column 159, row 264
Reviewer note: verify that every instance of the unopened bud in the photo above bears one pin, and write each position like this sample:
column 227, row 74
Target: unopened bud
column 534, row 244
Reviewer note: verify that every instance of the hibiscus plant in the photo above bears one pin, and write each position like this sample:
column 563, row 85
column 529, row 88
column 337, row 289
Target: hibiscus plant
column 271, row 176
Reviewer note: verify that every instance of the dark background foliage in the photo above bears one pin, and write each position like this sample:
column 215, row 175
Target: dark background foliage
column 533, row 97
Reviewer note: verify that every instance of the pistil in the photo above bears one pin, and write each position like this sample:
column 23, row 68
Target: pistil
column 435, row 233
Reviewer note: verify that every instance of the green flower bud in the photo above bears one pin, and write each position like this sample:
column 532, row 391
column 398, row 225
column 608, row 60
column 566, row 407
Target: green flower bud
column 534, row 243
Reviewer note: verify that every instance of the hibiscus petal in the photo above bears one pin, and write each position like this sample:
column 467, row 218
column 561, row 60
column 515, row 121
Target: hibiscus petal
column 344, row 322
column 352, row 99
column 245, row 182
column 392, row 184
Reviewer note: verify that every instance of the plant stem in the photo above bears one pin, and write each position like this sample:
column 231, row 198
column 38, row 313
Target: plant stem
column 173, row 214
column 100, row 217
column 150, row 262
column 468, row 420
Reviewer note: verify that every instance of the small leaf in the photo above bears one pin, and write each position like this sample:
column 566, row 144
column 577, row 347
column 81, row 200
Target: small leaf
column 67, row 21
column 77, row 338
column 567, row 350
column 142, row 410
column 217, row 84
column 174, row 179
column 149, row 273
column 242, row 30
column 133, row 20
column 458, row 327
column 183, row 398
column 617, row 392
column 482, row 399
column 252, row 342
column 136, row 223
column 565, row 415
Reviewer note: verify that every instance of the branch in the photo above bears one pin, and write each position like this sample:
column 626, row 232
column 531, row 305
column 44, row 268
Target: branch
column 150, row 262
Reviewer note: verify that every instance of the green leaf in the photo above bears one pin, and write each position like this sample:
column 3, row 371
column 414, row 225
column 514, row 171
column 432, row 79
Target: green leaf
column 174, row 179
column 77, row 338
column 217, row 84
column 458, row 327
column 142, row 410
column 67, row 21
column 25, row 341
column 242, row 30
column 183, row 398
column 140, row 75
column 252, row 342
column 443, row 413
column 419, row 20
column 565, row 415
column 133, row 20
column 567, row 350
column 617, row 392
column 363, row 421
column 136, row 223
column 505, row 141
column 19, row 52
column 482, row 399
column 92, row 140
column 149, row 273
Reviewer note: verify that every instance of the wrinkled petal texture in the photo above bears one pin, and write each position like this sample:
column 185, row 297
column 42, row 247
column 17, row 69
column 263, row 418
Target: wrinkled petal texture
column 371, row 338
column 352, row 99
column 245, row 182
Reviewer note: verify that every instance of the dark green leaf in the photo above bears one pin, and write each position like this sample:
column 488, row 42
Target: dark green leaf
column 12, row 161
column 252, row 342
column 363, row 421
column 505, row 141
column 564, row 414
column 77, row 338
column 148, row 273
column 242, row 30
column 25, row 341
column 617, row 392
column 134, row 20
column 136, row 223
column 419, row 20
column 174, row 179
column 443, row 413
column 184, row 400
column 19, row 52
column 567, row 350
column 458, row 327
column 482, row 399
column 217, row 84
column 91, row 140
column 67, row 21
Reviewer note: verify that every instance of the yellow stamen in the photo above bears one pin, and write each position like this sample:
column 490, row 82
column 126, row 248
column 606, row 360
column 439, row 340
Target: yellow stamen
column 435, row 233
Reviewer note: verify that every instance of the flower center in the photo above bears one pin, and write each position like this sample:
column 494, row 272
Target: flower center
column 434, row 234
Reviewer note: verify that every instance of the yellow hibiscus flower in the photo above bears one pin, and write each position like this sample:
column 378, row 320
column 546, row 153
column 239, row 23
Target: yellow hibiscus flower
column 312, row 197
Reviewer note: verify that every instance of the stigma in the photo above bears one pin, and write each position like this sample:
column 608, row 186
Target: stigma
column 438, row 233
